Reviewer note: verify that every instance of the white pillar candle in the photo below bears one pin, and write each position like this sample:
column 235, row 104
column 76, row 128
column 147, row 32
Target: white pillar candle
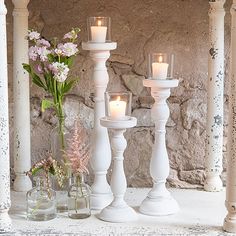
column 117, row 109
column 98, row 33
column 159, row 69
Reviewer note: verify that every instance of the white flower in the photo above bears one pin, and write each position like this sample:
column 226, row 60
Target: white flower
column 33, row 35
column 68, row 49
column 33, row 53
column 60, row 71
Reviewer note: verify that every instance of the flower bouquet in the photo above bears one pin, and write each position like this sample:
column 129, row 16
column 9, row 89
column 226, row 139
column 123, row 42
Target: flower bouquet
column 49, row 70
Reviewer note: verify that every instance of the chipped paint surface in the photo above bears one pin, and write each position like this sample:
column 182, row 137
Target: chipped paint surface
column 214, row 137
column 4, row 127
column 230, row 203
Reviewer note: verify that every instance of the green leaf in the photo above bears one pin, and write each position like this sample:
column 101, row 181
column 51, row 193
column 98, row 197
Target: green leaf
column 46, row 104
column 27, row 67
column 69, row 85
column 70, row 62
column 51, row 58
column 52, row 170
column 36, row 80
column 36, row 170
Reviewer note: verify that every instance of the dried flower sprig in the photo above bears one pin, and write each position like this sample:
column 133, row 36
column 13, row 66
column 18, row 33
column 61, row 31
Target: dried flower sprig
column 49, row 165
column 78, row 152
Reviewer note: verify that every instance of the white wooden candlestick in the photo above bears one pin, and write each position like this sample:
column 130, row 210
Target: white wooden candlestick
column 230, row 203
column 5, row 203
column 118, row 210
column 101, row 156
column 22, row 152
column 159, row 201
column 215, row 94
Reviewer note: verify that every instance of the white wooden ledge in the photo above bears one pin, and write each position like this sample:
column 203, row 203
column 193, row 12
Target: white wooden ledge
column 202, row 213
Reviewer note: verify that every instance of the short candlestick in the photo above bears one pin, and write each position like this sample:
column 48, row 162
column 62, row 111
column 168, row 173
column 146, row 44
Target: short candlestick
column 159, row 200
column 118, row 210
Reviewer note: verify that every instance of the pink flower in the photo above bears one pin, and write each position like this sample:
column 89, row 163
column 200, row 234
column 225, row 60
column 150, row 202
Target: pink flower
column 43, row 53
column 43, row 42
column 33, row 35
column 72, row 34
column 68, row 49
column 39, row 69
column 33, row 53
column 78, row 152
column 68, row 36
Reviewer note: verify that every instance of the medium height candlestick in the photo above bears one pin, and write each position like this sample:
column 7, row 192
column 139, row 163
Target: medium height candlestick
column 101, row 157
column 159, row 201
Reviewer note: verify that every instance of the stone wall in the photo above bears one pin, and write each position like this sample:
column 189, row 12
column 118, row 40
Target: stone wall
column 139, row 27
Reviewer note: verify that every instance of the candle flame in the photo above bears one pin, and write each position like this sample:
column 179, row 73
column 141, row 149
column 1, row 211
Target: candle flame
column 99, row 23
column 160, row 59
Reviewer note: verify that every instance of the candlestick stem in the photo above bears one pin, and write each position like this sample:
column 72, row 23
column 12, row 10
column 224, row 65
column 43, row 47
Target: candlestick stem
column 159, row 200
column 100, row 161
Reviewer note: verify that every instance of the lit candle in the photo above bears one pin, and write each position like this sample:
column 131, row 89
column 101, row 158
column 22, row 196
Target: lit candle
column 117, row 109
column 98, row 33
column 159, row 69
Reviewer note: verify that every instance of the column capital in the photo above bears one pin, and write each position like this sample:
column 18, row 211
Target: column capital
column 217, row 4
column 20, row 3
column 3, row 9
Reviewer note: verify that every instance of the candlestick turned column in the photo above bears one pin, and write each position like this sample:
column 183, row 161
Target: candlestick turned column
column 101, row 156
column 230, row 203
column 118, row 210
column 5, row 203
column 159, row 200
column 215, row 94
column 22, row 149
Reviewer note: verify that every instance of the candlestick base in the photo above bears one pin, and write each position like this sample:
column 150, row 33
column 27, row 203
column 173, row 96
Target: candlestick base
column 159, row 206
column 118, row 214
column 99, row 201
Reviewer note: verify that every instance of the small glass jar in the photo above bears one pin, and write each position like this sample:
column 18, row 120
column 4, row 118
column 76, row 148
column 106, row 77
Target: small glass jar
column 79, row 198
column 41, row 201
column 160, row 66
column 118, row 105
column 99, row 29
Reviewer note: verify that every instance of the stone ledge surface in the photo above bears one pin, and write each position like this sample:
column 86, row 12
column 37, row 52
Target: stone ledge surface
column 202, row 213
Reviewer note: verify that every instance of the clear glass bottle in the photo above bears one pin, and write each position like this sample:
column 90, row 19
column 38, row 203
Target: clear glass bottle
column 41, row 201
column 79, row 198
column 58, row 146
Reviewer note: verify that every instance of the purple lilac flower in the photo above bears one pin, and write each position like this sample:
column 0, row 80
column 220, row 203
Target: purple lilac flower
column 39, row 69
column 71, row 35
column 33, row 53
column 68, row 49
column 33, row 35
column 43, row 53
column 43, row 42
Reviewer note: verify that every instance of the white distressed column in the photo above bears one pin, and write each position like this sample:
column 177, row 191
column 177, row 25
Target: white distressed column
column 5, row 221
column 215, row 93
column 230, row 203
column 22, row 150
column 101, row 154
